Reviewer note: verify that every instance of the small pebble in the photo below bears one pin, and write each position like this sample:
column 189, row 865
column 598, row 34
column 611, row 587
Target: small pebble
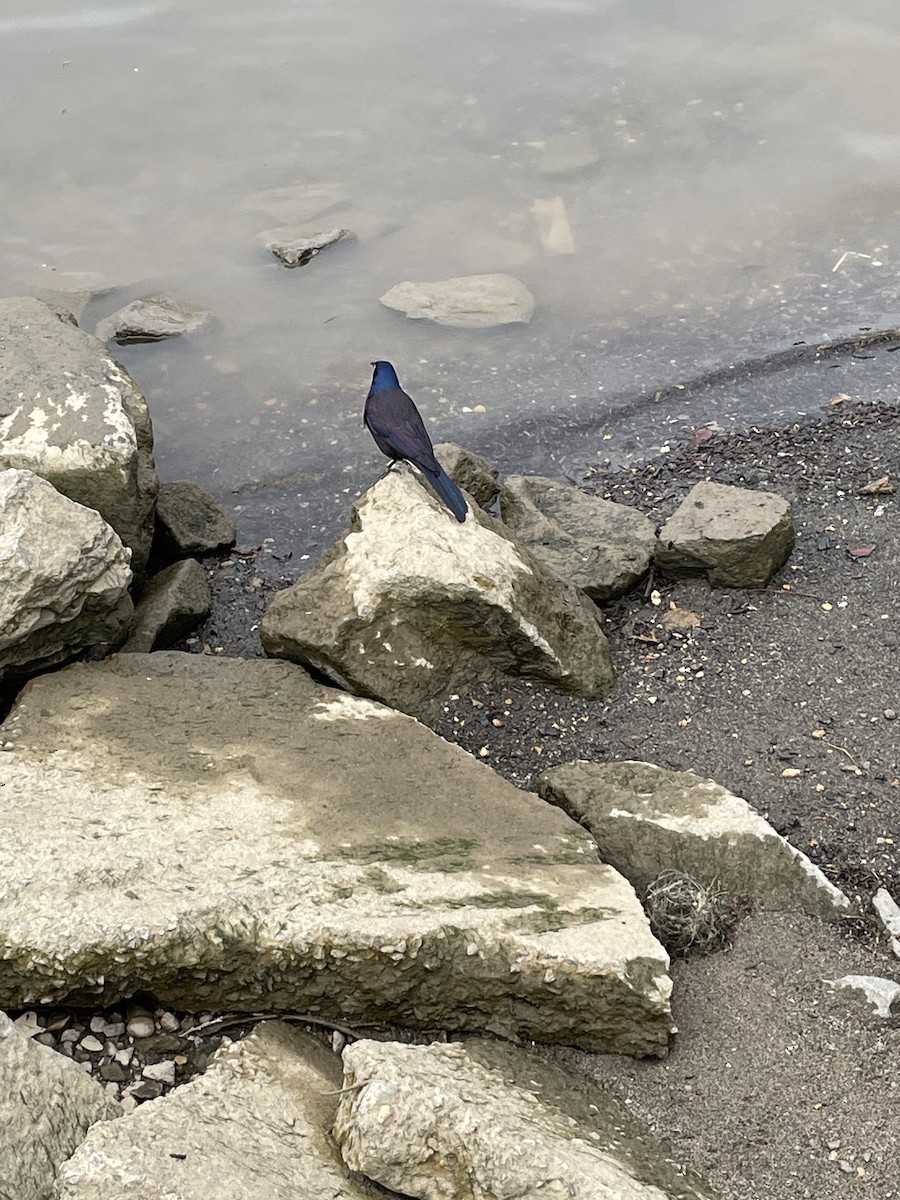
column 91, row 1044
column 140, row 1023
column 98, row 1024
column 114, row 1029
column 147, row 1089
column 163, row 1071
column 169, row 1022
column 129, row 1104
column 125, row 1055
column 69, row 1035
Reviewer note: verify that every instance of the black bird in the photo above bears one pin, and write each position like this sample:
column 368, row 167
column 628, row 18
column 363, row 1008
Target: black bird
column 399, row 432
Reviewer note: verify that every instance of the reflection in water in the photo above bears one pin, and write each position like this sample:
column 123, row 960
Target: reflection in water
column 656, row 179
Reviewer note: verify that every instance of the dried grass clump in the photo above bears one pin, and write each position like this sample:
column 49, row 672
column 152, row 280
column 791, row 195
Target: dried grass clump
column 688, row 917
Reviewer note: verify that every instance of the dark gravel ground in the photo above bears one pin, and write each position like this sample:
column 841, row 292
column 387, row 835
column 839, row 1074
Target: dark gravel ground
column 775, row 1089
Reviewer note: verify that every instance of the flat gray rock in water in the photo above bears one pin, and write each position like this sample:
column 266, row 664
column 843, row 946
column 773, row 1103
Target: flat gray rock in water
column 64, row 576
column 229, row 834
column 468, row 302
column 734, row 536
column 174, row 602
column 191, row 520
column 47, row 1104
column 296, row 247
column 256, row 1124
column 431, row 1121
column 152, row 319
column 601, row 547
column 410, row 604
column 473, row 473
column 648, row 820
column 73, row 416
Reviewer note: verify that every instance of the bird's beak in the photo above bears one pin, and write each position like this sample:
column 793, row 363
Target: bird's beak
column 371, row 364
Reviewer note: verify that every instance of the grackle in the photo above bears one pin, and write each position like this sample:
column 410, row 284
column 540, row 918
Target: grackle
column 399, row 432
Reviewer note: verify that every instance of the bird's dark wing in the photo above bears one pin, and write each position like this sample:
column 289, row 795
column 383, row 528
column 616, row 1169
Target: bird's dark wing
column 398, row 429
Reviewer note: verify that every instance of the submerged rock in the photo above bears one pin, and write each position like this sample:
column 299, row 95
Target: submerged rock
column 410, row 604
column 468, row 302
column 296, row 247
column 152, row 319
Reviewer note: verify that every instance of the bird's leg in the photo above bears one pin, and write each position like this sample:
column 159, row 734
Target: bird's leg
column 393, row 462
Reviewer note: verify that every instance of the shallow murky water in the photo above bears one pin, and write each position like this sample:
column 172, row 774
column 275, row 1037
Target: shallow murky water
column 714, row 162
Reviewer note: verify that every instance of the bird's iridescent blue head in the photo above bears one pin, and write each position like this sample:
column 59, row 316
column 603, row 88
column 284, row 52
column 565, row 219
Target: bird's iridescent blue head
column 384, row 377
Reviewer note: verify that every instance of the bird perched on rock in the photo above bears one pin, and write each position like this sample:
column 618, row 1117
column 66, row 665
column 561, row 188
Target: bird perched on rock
column 399, row 432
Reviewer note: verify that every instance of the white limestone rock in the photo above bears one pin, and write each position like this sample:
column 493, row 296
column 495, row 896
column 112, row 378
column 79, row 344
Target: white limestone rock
column 228, row 834
column 410, row 604
column 73, row 416
column 255, row 1124
column 47, row 1105
column 64, row 577
column 432, row 1122
column 648, row 820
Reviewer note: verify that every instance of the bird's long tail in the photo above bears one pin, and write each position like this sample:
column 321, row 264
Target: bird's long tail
column 448, row 492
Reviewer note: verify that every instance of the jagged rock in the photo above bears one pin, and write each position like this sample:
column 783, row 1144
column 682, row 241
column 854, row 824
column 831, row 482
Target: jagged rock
column 410, row 604
column 264, row 841
column 468, row 302
column 296, row 247
column 174, row 602
column 255, row 1124
column 648, row 820
column 190, row 520
column 64, row 577
column 432, row 1121
column 889, row 912
column 472, row 472
column 734, row 536
column 601, row 547
column 152, row 319
column 67, row 291
column 553, row 225
column 73, row 416
column 883, row 995
column 47, row 1104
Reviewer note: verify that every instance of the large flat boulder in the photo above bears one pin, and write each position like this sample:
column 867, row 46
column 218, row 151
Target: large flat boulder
column 64, row 577
column 602, row 547
column 410, row 604
column 230, row 834
column 72, row 415
column 434, row 1122
column 467, row 301
column 47, row 1105
column 647, row 820
column 256, row 1124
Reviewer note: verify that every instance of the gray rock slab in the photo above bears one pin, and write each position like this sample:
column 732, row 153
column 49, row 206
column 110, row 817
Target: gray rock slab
column 296, row 247
column 191, row 520
column 473, row 473
column 433, row 1122
column 648, row 820
column 174, row 602
column 467, row 302
column 229, row 834
column 47, row 1105
column 888, row 910
column 410, row 604
column 882, row 995
column 601, row 547
column 72, row 415
column 567, row 154
column 152, row 319
column 298, row 202
column 255, row 1124
column 734, row 536
column 64, row 577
